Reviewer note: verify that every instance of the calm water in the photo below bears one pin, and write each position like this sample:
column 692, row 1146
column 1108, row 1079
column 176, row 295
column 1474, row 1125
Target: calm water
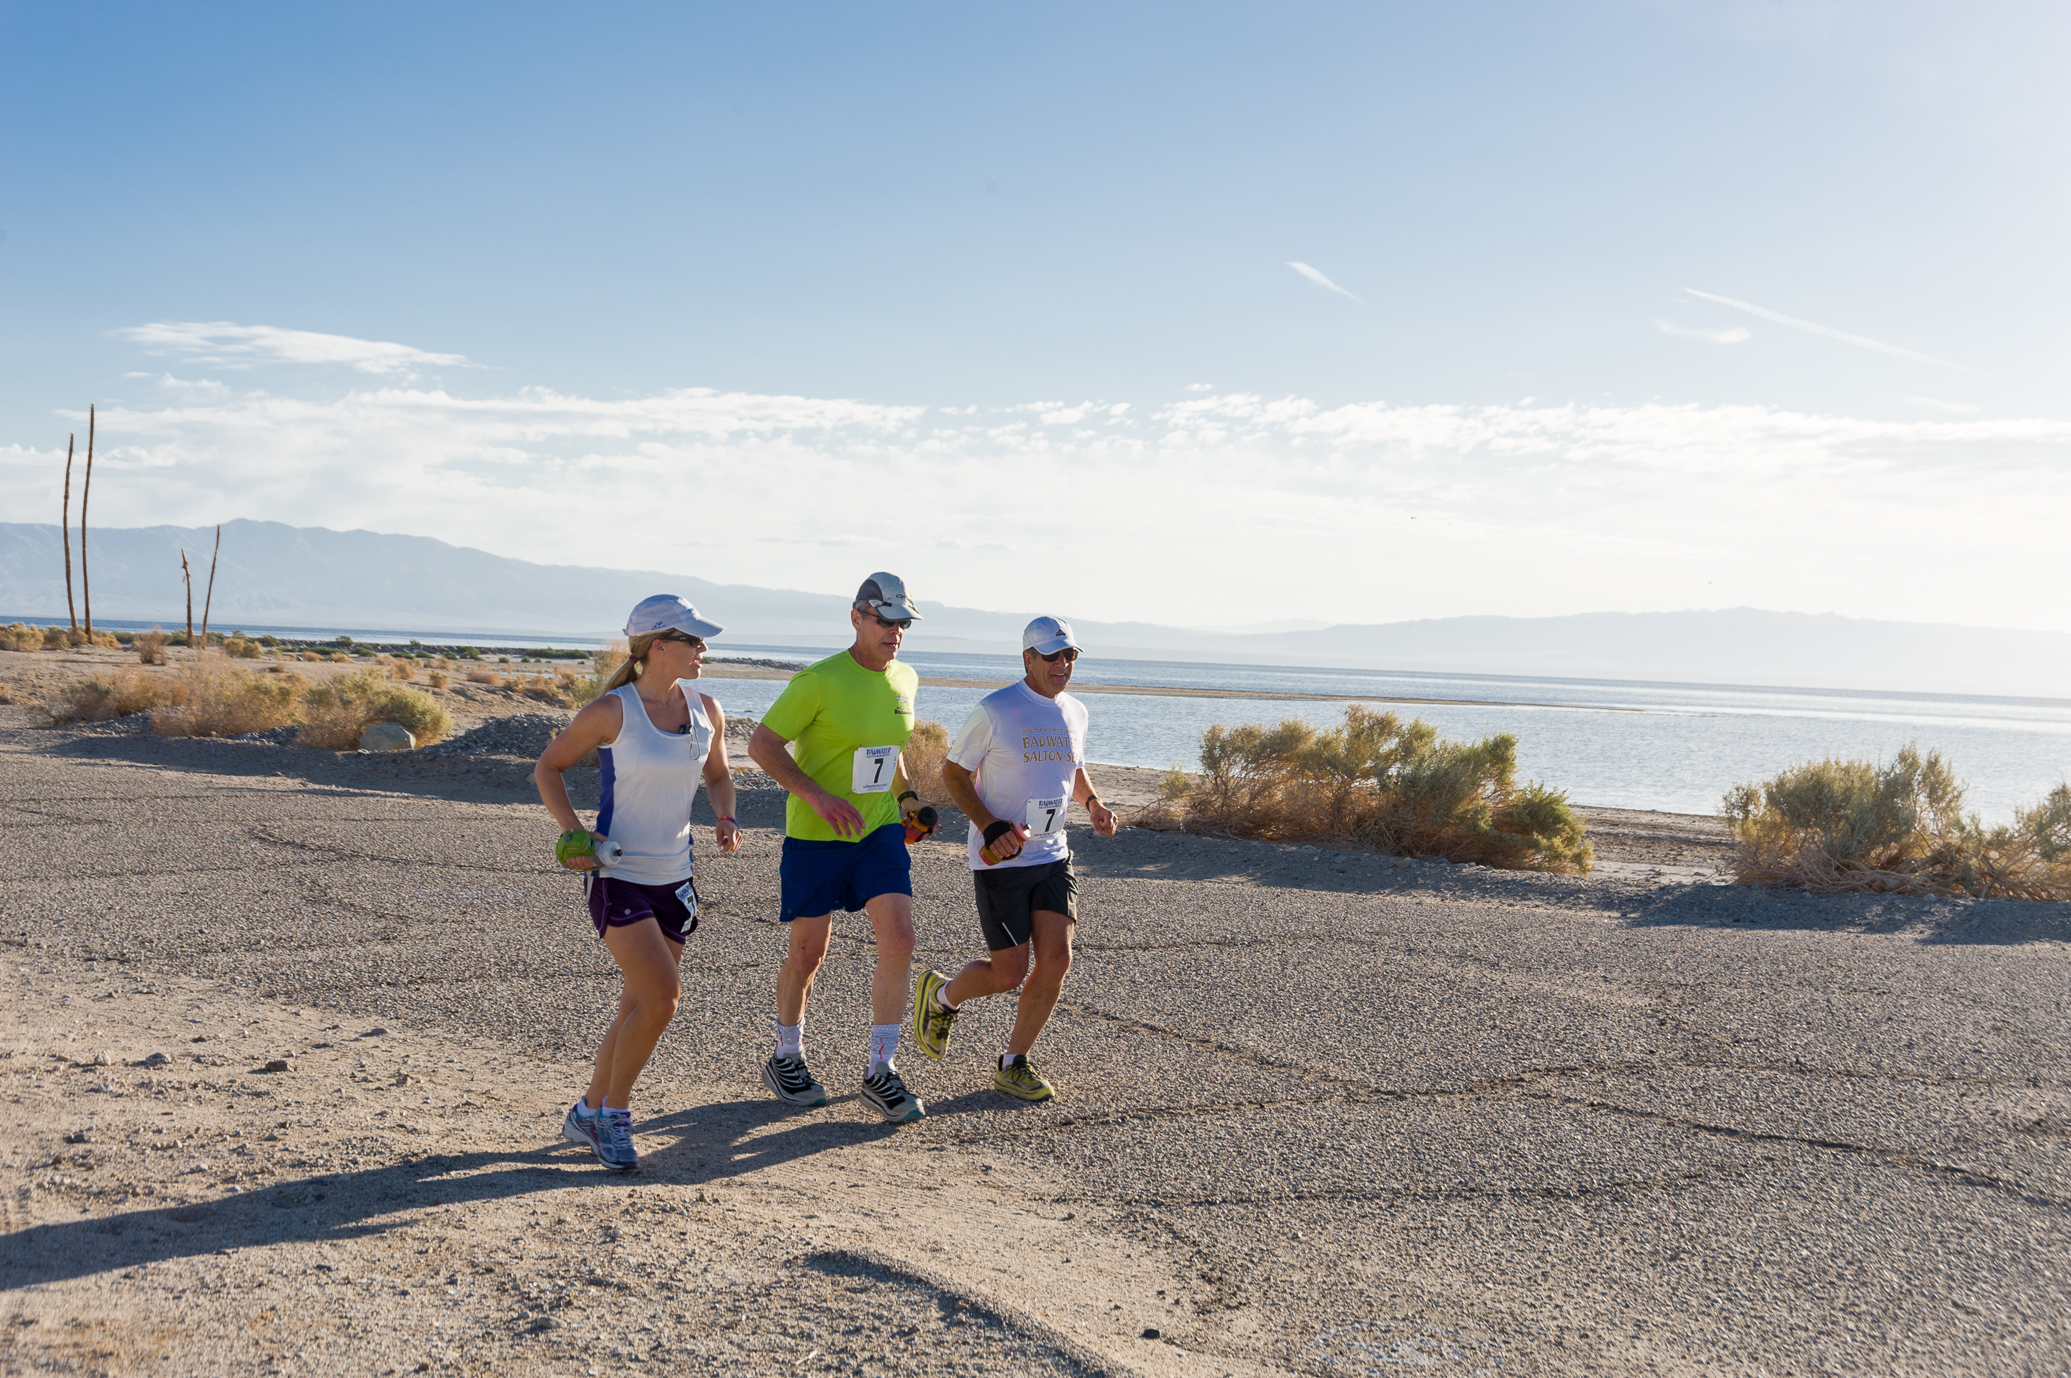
column 1681, row 752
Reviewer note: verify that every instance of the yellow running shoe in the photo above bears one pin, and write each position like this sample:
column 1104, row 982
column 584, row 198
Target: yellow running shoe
column 1022, row 1081
column 932, row 1021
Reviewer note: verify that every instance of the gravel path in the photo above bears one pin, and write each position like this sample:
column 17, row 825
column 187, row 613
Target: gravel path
column 1318, row 1114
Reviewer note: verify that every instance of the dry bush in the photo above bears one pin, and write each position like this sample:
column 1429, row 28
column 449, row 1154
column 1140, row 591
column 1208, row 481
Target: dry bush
column 341, row 657
column 218, row 701
column 241, row 648
column 488, row 677
column 922, row 759
column 437, row 679
column 1834, row 826
column 58, row 638
column 314, row 655
column 19, row 636
column 1376, row 782
column 335, row 713
column 150, row 647
column 103, row 697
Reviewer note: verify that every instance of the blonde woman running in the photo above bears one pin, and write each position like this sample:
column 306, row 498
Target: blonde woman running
column 655, row 736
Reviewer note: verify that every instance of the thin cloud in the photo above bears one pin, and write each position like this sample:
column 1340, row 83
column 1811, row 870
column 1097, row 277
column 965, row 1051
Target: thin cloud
column 1739, row 334
column 229, row 345
column 1321, row 281
column 1794, row 323
column 1953, row 408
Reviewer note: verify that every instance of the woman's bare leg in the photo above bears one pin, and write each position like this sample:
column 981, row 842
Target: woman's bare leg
column 653, row 990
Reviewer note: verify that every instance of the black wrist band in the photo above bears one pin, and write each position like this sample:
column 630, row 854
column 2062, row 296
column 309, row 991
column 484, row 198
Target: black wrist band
column 908, row 795
column 996, row 830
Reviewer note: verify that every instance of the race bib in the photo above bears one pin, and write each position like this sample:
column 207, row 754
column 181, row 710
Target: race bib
column 688, row 893
column 1045, row 816
column 875, row 766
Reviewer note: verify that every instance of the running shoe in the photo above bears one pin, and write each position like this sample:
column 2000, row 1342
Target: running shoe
column 885, row 1092
column 932, row 1020
column 786, row 1075
column 615, row 1140
column 1022, row 1081
column 586, row 1130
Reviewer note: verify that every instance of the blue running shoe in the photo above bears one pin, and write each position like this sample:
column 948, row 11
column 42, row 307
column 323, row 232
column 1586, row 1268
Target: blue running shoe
column 615, row 1142
column 582, row 1129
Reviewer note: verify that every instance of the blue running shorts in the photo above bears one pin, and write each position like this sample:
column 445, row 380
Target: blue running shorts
column 820, row 877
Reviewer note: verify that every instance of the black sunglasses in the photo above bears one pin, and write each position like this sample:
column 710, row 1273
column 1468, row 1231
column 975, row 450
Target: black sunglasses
column 1070, row 654
column 901, row 623
column 695, row 642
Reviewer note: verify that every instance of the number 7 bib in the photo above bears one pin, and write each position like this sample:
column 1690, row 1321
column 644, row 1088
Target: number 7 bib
column 1045, row 816
column 875, row 767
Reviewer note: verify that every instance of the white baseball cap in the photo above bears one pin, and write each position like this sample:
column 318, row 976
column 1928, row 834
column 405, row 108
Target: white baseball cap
column 666, row 612
column 1047, row 636
column 885, row 595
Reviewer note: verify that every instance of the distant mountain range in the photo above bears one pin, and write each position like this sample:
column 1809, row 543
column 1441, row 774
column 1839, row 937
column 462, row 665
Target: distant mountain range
column 278, row 576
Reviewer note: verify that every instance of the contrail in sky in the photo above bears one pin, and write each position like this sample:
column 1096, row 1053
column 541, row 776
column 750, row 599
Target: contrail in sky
column 1321, row 281
column 1828, row 331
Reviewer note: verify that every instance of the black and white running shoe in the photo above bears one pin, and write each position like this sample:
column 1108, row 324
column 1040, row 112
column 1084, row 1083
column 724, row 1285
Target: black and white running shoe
column 786, row 1075
column 885, row 1092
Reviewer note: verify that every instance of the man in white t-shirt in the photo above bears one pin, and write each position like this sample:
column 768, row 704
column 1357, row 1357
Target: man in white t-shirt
column 1015, row 770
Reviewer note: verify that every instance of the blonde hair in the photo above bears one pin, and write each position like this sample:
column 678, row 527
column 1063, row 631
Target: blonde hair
column 633, row 665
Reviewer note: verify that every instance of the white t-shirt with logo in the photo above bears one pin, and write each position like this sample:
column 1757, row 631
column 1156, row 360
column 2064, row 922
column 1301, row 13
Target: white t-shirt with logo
column 1025, row 751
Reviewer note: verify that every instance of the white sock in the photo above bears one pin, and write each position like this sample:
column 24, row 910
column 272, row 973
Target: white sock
column 1006, row 1058
column 884, row 1043
column 582, row 1108
column 942, row 996
column 791, row 1039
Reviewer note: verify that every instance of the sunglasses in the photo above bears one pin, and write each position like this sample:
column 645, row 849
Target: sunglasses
column 1070, row 654
column 696, row 643
column 888, row 622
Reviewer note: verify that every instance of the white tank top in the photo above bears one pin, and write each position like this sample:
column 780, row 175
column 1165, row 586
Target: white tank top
column 650, row 780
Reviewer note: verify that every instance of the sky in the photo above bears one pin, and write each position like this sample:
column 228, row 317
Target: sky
column 1202, row 314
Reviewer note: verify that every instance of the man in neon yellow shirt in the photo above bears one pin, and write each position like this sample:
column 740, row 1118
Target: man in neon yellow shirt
column 845, row 719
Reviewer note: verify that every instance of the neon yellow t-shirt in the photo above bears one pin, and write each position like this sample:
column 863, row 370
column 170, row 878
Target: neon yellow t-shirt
column 847, row 725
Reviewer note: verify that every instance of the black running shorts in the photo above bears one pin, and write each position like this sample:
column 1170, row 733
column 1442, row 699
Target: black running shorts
column 1008, row 898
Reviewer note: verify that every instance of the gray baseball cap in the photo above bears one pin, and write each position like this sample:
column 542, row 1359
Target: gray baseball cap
column 885, row 595
column 1048, row 635
column 665, row 612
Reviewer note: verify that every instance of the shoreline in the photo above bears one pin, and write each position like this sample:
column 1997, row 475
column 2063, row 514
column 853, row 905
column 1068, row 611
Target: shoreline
column 720, row 670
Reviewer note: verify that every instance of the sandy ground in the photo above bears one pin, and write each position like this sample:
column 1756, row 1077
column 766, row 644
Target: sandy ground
column 1318, row 1113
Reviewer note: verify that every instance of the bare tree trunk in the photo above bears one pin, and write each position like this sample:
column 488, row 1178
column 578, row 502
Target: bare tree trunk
column 210, row 596
column 187, row 576
column 85, row 587
column 71, row 608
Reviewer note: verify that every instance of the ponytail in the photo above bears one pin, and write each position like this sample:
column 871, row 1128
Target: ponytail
column 631, row 667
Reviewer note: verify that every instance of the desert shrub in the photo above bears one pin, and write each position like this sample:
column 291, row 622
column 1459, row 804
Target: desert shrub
column 238, row 648
column 57, row 638
column 335, row 713
column 269, row 642
column 922, row 759
column 437, row 679
column 488, row 677
column 150, row 647
column 1894, row 828
column 314, row 655
column 19, row 636
column 104, row 697
column 218, row 701
column 1378, row 782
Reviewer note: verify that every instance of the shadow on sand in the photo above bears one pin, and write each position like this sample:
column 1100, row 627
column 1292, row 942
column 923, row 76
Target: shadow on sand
column 688, row 1147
